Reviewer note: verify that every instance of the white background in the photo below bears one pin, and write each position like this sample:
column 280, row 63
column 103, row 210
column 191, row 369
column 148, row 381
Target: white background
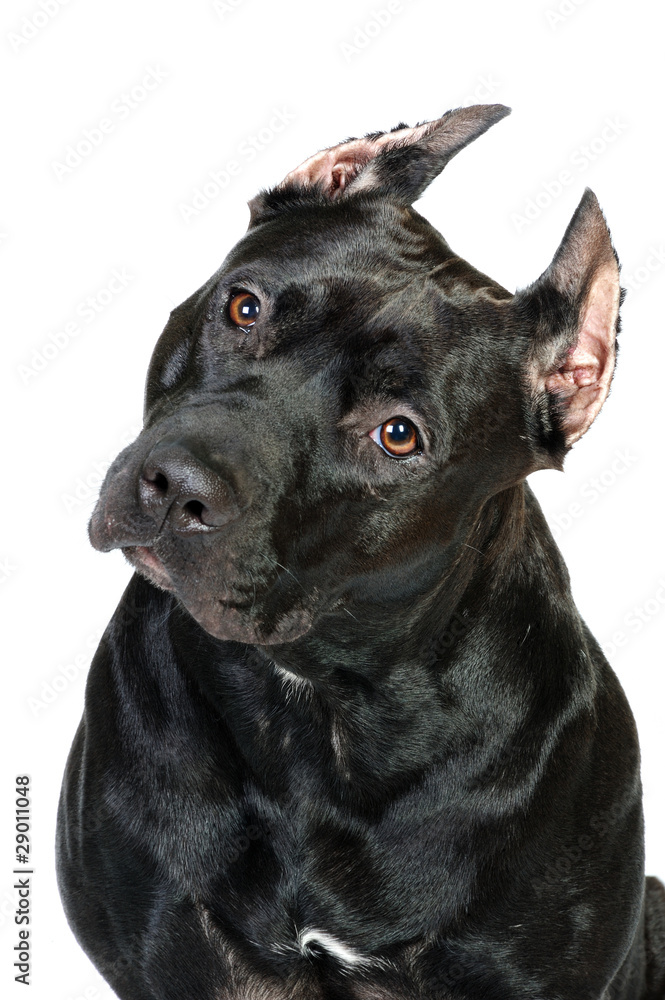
column 224, row 71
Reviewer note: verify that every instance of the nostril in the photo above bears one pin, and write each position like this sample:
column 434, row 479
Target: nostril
column 178, row 489
column 158, row 481
column 195, row 508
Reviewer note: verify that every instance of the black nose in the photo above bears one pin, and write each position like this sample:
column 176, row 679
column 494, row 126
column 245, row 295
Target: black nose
column 179, row 487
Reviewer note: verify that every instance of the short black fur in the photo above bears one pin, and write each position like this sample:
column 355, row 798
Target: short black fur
column 346, row 735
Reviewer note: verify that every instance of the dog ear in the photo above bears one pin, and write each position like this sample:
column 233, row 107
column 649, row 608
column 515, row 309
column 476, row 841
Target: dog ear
column 573, row 313
column 400, row 163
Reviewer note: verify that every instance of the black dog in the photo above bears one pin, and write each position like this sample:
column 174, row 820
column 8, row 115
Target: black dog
column 346, row 735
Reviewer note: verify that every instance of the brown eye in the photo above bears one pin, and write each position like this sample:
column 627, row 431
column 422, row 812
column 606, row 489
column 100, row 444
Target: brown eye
column 398, row 437
column 243, row 309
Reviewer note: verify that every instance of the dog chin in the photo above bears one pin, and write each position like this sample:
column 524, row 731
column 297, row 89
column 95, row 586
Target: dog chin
column 234, row 623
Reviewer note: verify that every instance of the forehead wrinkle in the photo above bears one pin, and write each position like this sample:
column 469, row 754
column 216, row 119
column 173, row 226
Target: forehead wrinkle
column 387, row 295
column 455, row 271
column 380, row 242
column 393, row 297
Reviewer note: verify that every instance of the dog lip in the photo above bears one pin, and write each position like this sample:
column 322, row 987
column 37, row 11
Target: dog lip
column 147, row 555
column 146, row 561
column 143, row 558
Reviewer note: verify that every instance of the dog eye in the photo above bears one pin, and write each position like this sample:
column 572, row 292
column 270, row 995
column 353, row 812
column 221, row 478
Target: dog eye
column 243, row 309
column 398, row 437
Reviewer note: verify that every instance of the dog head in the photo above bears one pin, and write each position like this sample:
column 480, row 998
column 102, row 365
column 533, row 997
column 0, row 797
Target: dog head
column 327, row 415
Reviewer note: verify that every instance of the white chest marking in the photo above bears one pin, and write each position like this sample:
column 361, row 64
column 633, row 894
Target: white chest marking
column 342, row 952
column 294, row 685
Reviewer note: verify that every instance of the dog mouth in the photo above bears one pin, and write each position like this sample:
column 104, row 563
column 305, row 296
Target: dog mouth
column 228, row 613
column 144, row 559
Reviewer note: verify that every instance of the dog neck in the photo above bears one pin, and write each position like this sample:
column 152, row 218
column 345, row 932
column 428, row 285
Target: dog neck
column 388, row 700
column 504, row 549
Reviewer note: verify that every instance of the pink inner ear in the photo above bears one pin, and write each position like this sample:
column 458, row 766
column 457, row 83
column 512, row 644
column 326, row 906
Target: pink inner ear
column 332, row 168
column 337, row 167
column 583, row 381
